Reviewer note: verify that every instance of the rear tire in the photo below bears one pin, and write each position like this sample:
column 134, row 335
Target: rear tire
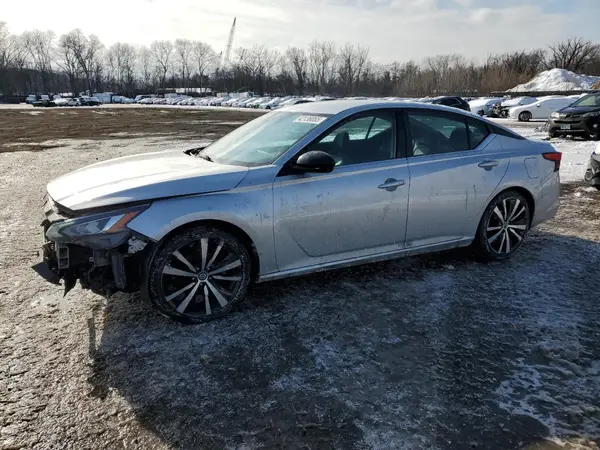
column 503, row 226
column 525, row 116
column 198, row 275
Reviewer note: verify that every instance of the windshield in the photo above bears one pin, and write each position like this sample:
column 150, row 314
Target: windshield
column 589, row 100
column 263, row 140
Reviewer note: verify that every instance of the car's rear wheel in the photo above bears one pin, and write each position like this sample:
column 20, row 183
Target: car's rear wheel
column 503, row 226
column 525, row 116
column 199, row 275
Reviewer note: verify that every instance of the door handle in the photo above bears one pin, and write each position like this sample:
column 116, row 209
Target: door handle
column 391, row 184
column 488, row 164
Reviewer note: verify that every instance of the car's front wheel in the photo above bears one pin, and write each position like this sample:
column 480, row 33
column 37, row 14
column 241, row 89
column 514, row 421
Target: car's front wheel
column 525, row 116
column 503, row 226
column 199, row 275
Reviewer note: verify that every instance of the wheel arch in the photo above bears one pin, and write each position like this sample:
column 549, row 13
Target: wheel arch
column 230, row 228
column 525, row 193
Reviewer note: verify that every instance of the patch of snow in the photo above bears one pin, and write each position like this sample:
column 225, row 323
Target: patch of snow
column 33, row 113
column 557, row 80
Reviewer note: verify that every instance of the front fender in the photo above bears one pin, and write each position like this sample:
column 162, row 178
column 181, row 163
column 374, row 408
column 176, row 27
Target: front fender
column 250, row 210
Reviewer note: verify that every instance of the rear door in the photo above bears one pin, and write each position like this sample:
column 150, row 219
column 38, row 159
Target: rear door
column 455, row 165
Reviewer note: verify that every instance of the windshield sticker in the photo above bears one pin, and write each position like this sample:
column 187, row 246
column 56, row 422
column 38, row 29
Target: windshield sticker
column 310, row 119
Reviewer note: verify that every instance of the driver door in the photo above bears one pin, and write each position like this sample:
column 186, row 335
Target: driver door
column 358, row 209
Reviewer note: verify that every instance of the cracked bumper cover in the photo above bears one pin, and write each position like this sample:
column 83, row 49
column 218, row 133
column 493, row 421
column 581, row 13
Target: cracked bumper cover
column 592, row 174
column 104, row 263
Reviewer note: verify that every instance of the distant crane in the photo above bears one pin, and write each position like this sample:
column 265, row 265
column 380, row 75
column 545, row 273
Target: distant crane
column 227, row 52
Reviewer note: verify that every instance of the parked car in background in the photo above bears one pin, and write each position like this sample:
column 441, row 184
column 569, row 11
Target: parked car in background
column 484, row 106
column 270, row 103
column 501, row 109
column 454, row 102
column 89, row 101
column 581, row 118
column 44, row 103
column 61, row 101
column 256, row 103
column 293, row 101
column 539, row 110
column 293, row 192
column 139, row 98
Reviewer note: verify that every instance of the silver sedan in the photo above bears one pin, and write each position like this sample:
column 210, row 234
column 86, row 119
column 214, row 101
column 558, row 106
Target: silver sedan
column 309, row 187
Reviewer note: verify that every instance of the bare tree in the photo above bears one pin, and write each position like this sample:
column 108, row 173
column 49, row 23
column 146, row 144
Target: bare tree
column 39, row 46
column 350, row 66
column 321, row 57
column 145, row 66
column 183, row 51
column 298, row 61
column 204, row 57
column 264, row 60
column 162, row 52
column 7, row 49
column 121, row 64
column 87, row 52
column 68, row 62
column 574, row 54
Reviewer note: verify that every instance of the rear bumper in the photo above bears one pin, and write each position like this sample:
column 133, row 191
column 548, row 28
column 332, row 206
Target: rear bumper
column 547, row 206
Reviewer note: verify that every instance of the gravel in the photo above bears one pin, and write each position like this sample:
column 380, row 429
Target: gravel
column 428, row 352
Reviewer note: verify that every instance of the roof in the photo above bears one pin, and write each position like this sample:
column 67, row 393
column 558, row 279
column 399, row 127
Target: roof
column 333, row 107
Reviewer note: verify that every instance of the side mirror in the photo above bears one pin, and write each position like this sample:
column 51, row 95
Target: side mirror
column 538, row 106
column 314, row 161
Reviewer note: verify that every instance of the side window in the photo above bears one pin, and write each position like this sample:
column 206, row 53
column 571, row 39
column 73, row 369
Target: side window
column 477, row 132
column 379, row 125
column 364, row 139
column 433, row 133
column 449, row 102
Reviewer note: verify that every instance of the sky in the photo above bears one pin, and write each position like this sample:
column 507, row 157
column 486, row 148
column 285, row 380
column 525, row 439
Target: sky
column 393, row 30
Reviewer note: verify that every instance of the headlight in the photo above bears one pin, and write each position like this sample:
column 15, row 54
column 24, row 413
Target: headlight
column 106, row 223
column 555, row 115
column 592, row 114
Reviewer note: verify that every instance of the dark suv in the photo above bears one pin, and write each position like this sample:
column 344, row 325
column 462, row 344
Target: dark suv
column 455, row 102
column 581, row 118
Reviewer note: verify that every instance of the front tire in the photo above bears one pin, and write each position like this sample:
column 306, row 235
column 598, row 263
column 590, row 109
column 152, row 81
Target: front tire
column 503, row 226
column 525, row 116
column 199, row 275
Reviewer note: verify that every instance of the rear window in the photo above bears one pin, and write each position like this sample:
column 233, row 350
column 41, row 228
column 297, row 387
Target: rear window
column 478, row 131
column 503, row 132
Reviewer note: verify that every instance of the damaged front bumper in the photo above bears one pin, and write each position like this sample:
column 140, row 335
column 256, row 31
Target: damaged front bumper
column 592, row 174
column 104, row 262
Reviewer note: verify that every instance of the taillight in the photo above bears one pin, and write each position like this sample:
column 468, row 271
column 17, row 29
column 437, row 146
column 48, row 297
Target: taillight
column 554, row 156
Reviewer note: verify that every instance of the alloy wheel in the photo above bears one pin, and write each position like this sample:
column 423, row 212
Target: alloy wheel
column 507, row 225
column 201, row 277
column 525, row 116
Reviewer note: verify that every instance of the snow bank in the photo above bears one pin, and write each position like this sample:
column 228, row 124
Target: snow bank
column 557, row 80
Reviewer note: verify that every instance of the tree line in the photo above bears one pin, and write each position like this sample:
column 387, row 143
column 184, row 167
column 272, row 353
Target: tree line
column 40, row 62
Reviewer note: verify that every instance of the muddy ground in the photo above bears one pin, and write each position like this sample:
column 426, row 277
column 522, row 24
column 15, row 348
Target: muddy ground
column 428, row 352
column 29, row 128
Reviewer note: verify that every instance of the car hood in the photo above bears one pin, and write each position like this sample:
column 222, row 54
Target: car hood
column 142, row 177
column 579, row 109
